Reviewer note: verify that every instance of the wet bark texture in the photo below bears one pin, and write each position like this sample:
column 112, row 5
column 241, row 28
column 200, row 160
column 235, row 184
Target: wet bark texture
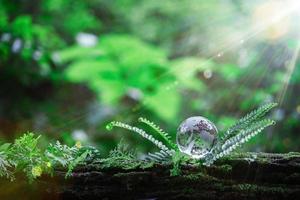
column 241, row 176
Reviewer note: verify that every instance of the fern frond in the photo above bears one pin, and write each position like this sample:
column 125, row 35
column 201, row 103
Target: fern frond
column 141, row 132
column 5, row 162
column 26, row 155
column 243, row 136
column 5, row 166
column 120, row 157
column 60, row 154
column 75, row 162
column 252, row 117
column 162, row 133
column 160, row 156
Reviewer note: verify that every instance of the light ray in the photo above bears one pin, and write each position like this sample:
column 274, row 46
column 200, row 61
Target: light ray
column 288, row 74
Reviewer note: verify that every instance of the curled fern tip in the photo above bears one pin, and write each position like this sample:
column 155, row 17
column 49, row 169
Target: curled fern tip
column 110, row 126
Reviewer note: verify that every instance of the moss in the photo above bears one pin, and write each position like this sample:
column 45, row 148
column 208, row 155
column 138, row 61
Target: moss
column 243, row 187
column 178, row 159
column 225, row 168
column 194, row 177
column 245, row 180
column 199, row 177
column 146, row 165
column 119, row 162
column 127, row 175
column 259, row 188
column 188, row 190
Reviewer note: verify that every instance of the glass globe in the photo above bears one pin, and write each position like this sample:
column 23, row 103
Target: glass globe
column 196, row 136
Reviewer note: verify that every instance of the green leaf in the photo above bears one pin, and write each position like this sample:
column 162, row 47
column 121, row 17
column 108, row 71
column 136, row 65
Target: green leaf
column 187, row 69
column 92, row 70
column 76, row 161
column 230, row 72
column 164, row 135
column 131, row 52
column 22, row 27
column 109, row 91
column 77, row 52
column 250, row 118
column 165, row 102
column 4, row 147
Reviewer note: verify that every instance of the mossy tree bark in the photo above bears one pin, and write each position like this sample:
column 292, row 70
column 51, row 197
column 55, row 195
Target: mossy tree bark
column 240, row 176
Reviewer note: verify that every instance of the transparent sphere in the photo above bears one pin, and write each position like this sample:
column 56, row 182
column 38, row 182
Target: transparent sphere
column 196, row 136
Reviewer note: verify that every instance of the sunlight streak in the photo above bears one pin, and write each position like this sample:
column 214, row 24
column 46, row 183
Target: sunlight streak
column 290, row 68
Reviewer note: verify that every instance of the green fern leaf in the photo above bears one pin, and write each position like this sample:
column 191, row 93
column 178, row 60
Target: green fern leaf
column 252, row 117
column 141, row 132
column 162, row 133
column 160, row 156
column 243, row 136
column 75, row 162
column 5, row 166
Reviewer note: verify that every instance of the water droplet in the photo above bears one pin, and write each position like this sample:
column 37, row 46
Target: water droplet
column 220, row 54
column 135, row 94
column 207, row 73
column 196, row 136
column 86, row 39
column 109, row 126
column 37, row 55
column 55, row 57
column 16, row 46
column 80, row 135
column 5, row 37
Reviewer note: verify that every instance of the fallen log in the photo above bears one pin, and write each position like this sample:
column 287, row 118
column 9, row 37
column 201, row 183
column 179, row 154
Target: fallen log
column 239, row 176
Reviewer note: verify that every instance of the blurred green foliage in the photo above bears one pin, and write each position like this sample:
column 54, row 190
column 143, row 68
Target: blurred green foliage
column 166, row 60
column 130, row 67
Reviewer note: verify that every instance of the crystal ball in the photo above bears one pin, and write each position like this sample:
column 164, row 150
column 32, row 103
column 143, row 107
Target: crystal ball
column 196, row 136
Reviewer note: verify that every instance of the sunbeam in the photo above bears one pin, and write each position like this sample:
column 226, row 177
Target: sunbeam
column 289, row 71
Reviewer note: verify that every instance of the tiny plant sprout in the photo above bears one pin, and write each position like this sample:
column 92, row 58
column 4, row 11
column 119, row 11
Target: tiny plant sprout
column 78, row 144
column 48, row 164
column 109, row 127
column 36, row 171
column 198, row 137
column 24, row 155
